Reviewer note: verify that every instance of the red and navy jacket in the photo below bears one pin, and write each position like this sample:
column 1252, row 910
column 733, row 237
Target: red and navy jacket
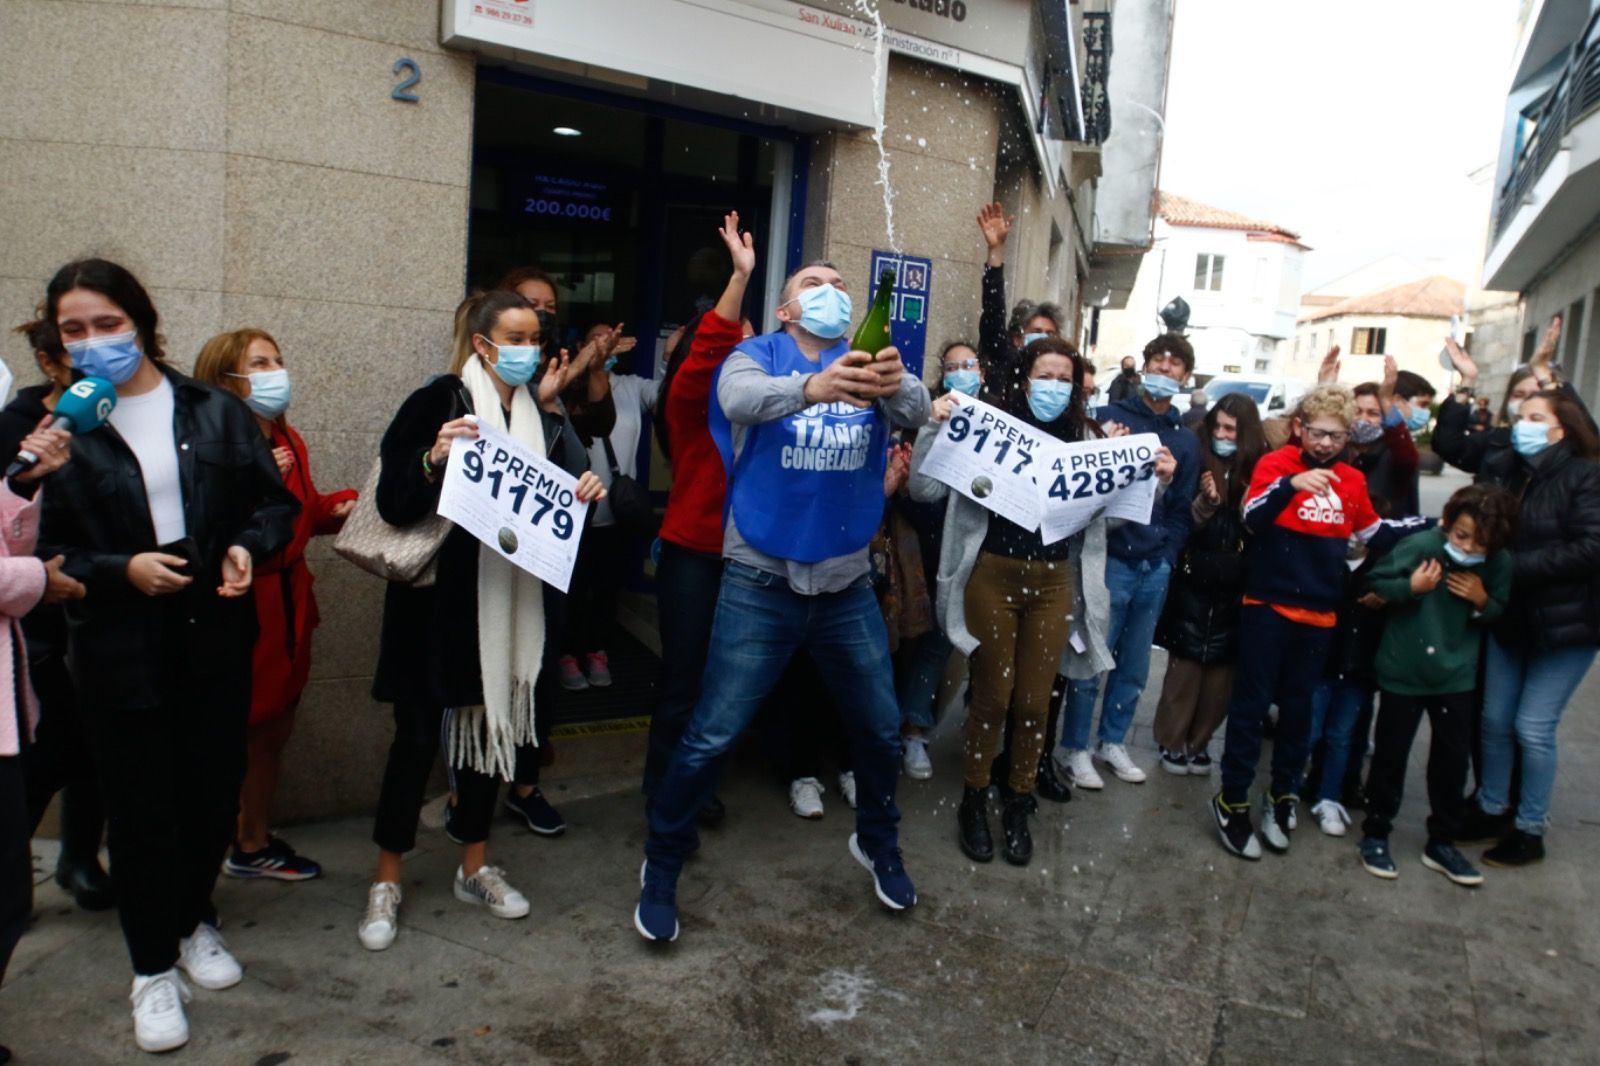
column 1296, row 554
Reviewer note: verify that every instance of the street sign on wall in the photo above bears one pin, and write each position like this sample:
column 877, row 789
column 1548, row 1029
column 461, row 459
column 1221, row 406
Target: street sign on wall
column 908, row 309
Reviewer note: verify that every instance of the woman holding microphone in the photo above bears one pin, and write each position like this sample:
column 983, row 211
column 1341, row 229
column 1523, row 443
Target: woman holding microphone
column 163, row 514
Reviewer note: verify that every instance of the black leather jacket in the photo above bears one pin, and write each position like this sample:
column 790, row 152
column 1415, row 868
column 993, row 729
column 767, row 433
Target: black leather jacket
column 1555, row 577
column 95, row 512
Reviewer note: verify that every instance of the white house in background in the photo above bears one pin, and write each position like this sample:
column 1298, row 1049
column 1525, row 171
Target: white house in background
column 1408, row 321
column 1240, row 276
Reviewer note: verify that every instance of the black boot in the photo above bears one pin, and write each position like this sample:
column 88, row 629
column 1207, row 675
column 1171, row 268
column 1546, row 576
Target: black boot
column 972, row 819
column 713, row 813
column 1047, row 785
column 1476, row 824
column 1517, row 849
column 1014, row 820
column 78, row 870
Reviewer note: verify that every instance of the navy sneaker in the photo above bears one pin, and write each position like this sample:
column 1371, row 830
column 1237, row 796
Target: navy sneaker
column 537, row 812
column 1446, row 859
column 656, row 916
column 1376, row 860
column 277, row 861
column 889, row 878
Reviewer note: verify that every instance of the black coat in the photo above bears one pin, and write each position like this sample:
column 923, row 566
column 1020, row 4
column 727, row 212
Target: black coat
column 1555, row 577
column 96, row 514
column 428, row 649
column 1200, row 620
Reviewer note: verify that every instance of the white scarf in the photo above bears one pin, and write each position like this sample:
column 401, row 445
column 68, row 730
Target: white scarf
column 510, row 615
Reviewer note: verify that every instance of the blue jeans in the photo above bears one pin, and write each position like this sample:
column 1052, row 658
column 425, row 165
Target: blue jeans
column 1335, row 708
column 919, row 667
column 1137, row 592
column 760, row 623
column 1524, row 695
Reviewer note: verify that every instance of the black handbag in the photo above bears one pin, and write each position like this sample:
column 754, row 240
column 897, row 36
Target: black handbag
column 630, row 501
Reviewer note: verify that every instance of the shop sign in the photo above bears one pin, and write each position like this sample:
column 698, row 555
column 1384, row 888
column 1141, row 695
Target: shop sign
column 908, row 306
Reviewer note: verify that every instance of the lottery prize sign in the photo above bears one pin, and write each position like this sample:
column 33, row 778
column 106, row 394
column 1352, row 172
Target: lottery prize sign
column 1114, row 476
column 518, row 503
column 989, row 457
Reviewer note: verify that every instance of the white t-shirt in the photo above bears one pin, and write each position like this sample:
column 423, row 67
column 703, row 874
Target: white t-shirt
column 633, row 396
column 145, row 423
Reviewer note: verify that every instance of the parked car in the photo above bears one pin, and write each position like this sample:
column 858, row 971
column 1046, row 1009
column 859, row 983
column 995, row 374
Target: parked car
column 1273, row 396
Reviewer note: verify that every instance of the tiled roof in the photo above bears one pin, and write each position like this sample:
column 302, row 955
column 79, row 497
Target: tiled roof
column 1435, row 297
column 1182, row 211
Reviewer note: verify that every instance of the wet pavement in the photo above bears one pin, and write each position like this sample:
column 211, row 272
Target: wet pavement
column 1131, row 938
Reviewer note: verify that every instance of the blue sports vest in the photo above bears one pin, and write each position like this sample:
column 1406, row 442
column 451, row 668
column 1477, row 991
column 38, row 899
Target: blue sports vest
column 808, row 486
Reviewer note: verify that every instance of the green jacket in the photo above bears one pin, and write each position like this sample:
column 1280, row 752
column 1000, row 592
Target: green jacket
column 1430, row 642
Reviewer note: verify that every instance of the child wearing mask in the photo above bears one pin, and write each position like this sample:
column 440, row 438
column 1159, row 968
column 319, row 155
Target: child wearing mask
column 1440, row 587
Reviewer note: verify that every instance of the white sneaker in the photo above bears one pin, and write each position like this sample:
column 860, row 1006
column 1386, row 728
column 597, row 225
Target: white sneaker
column 1116, row 757
column 382, row 920
column 1080, row 771
column 1331, row 817
column 847, row 787
column 917, row 764
column 805, row 797
column 159, row 1023
column 205, row 958
column 490, row 888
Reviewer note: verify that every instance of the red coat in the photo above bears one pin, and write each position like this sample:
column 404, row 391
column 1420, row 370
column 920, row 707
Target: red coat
column 285, row 605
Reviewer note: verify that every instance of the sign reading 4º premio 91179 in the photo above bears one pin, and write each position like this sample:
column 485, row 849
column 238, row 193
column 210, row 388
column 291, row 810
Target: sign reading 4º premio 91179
column 989, row 457
column 517, row 502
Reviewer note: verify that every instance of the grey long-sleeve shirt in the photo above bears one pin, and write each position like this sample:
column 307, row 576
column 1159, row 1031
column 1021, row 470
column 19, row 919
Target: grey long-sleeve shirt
column 750, row 396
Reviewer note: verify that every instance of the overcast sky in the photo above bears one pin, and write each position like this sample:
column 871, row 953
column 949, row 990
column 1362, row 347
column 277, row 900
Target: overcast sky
column 1354, row 123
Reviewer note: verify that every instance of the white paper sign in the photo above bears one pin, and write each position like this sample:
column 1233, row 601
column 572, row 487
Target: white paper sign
column 1077, row 482
column 990, row 457
column 519, row 503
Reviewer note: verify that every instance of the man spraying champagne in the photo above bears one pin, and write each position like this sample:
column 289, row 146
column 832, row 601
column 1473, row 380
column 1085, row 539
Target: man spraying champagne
column 802, row 420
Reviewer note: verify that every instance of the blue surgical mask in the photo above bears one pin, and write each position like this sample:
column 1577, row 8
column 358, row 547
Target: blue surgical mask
column 824, row 311
column 1530, row 438
column 115, row 358
column 962, row 381
column 516, row 363
column 1160, row 387
column 1417, row 420
column 611, row 362
column 269, row 392
column 1029, row 338
column 1512, row 407
column 1224, row 448
column 1462, row 558
column 1047, row 399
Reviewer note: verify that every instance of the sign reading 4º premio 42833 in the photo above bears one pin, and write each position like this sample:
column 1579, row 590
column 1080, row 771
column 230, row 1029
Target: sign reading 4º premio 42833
column 518, row 503
column 1078, row 482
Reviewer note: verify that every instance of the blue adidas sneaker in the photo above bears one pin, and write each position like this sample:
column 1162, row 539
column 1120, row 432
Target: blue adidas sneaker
column 656, row 916
column 889, row 878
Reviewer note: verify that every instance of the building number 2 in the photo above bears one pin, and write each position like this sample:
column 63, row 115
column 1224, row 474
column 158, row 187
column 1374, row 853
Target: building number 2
column 413, row 74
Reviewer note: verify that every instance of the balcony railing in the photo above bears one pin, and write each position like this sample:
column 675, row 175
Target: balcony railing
column 1576, row 93
column 1096, row 69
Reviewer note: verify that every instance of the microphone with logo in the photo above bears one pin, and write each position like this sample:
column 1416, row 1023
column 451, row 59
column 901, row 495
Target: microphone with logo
column 83, row 407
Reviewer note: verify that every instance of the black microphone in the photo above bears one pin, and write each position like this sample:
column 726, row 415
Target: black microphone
column 83, row 407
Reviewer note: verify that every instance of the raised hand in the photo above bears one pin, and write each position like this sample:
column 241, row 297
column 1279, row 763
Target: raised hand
column 943, row 408
column 1391, row 375
column 996, row 227
column 1462, row 361
column 439, row 454
column 1166, row 464
column 741, row 246
column 1208, row 486
column 1545, row 354
column 887, row 365
column 589, row 487
column 1328, row 372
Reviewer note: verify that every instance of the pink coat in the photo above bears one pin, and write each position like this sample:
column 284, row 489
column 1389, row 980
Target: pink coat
column 22, row 583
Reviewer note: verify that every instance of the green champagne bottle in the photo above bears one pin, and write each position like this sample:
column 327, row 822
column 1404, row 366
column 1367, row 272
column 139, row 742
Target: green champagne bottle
column 872, row 336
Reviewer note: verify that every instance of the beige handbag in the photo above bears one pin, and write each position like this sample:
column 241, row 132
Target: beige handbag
column 409, row 554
